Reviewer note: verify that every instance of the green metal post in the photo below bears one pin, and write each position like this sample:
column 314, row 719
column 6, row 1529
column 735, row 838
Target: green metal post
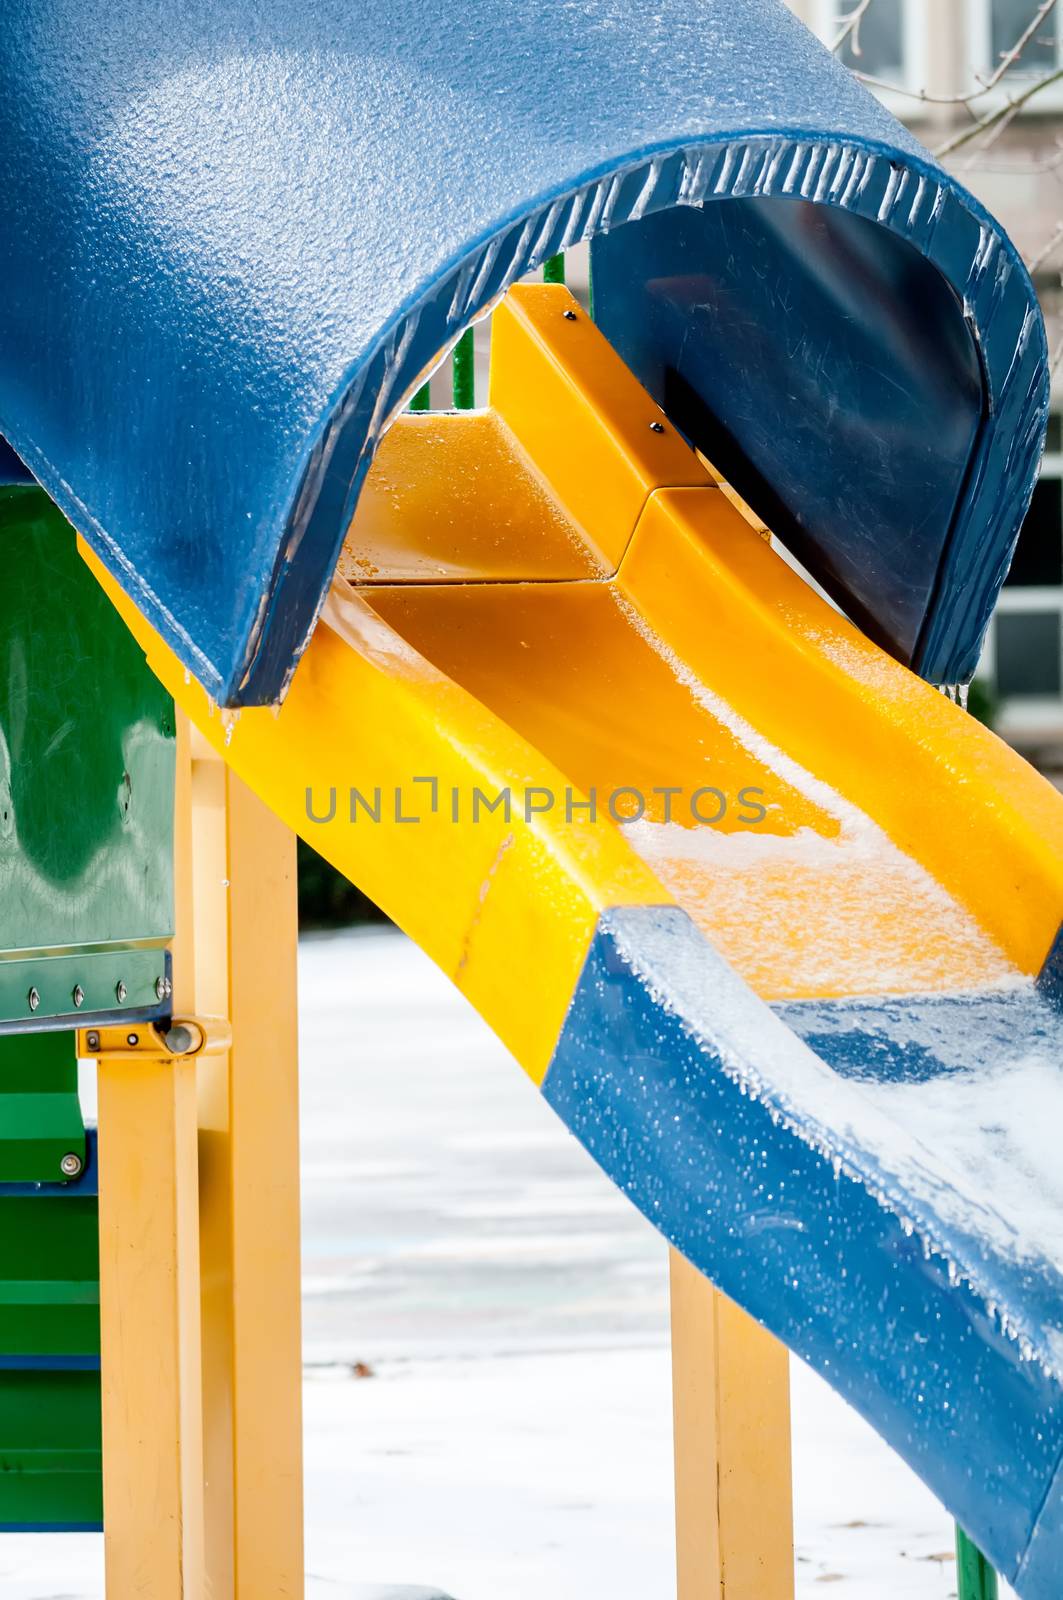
column 975, row 1578
column 422, row 400
column 464, row 373
column 554, row 269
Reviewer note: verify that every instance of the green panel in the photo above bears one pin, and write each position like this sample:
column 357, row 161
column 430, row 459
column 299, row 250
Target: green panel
column 51, row 982
column 50, row 1457
column 86, row 779
column 49, row 1275
column 40, row 1116
column 50, row 1463
column 975, row 1578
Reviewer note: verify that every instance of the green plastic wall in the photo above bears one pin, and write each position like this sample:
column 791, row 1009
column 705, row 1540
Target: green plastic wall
column 86, row 788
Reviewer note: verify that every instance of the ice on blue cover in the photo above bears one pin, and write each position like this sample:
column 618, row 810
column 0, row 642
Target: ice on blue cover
column 235, row 237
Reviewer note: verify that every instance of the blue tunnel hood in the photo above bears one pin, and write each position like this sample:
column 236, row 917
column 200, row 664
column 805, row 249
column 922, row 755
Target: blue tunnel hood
column 236, row 236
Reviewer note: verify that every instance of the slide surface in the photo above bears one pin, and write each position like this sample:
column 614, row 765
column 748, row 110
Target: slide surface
column 772, row 922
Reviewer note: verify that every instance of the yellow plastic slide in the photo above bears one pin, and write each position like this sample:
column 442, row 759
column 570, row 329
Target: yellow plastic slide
column 770, row 920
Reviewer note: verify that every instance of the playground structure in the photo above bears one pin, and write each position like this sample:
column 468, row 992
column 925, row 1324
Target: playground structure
column 773, row 923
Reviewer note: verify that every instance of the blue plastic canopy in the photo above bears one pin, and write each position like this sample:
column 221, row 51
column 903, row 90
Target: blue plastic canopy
column 235, row 236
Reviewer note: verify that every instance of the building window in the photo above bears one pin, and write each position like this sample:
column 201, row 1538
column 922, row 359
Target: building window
column 1024, row 650
column 1038, row 559
column 881, row 41
column 892, row 39
column 1028, row 655
column 1008, row 21
column 996, row 26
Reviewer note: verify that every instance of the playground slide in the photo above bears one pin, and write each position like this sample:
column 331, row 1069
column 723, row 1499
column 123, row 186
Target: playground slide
column 770, row 920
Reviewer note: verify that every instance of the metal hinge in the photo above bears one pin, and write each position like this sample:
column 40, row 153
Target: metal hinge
column 167, row 1041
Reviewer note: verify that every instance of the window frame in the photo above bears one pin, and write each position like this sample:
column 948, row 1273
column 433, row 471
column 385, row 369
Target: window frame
column 913, row 75
column 979, row 55
column 1028, row 713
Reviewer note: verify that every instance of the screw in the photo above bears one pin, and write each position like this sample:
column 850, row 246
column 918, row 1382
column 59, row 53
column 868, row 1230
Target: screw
column 78, row 995
column 163, row 988
column 33, row 999
column 569, row 316
column 92, row 1039
column 120, row 991
column 132, row 1038
column 656, row 427
column 70, row 1165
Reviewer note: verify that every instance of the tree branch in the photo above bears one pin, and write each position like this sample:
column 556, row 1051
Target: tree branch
column 1009, row 57
column 1012, row 104
column 985, row 85
column 850, row 27
column 1043, row 254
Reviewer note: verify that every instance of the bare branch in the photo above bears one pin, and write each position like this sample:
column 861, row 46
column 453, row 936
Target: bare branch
column 1048, row 249
column 1000, row 128
column 1057, row 357
column 985, row 85
column 850, row 27
column 1013, row 167
column 1012, row 104
column 1009, row 57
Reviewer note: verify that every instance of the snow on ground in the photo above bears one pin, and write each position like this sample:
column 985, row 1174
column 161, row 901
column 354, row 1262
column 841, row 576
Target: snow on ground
column 514, row 1439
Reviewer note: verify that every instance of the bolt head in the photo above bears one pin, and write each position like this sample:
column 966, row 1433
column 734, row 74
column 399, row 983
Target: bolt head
column 78, row 995
column 70, row 1165
column 92, row 1039
column 33, row 999
column 132, row 1039
column 163, row 988
column 656, row 427
column 120, row 991
column 569, row 316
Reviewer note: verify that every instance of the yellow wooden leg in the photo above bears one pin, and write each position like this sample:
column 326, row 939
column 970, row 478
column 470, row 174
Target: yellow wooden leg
column 199, row 1231
column 731, row 1409
column 245, row 966
column 208, row 868
column 149, row 1317
column 149, row 1329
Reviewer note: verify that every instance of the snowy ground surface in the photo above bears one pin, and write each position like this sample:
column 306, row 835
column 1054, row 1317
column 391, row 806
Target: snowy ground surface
column 513, row 1441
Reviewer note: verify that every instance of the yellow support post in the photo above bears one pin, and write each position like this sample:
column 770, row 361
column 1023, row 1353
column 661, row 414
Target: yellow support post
column 244, row 889
column 731, row 1411
column 208, row 866
column 149, row 1328
column 149, row 1293
column 199, row 1197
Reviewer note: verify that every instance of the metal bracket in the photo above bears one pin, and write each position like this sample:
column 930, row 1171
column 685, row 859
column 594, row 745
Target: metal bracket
column 167, row 1041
